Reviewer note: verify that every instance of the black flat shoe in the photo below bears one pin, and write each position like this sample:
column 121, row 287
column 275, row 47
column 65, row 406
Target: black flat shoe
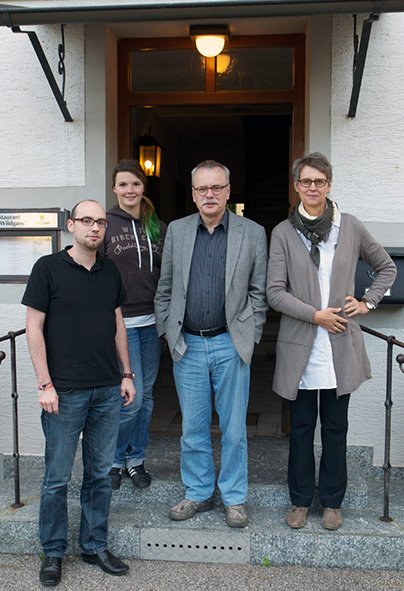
column 108, row 562
column 50, row 574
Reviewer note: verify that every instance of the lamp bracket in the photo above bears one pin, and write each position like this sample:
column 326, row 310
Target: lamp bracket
column 360, row 52
column 36, row 44
column 196, row 30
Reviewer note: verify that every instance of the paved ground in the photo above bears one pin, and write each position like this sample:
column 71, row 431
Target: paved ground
column 20, row 573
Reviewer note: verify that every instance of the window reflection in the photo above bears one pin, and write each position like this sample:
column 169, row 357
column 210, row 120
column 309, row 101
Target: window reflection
column 263, row 68
column 167, row 71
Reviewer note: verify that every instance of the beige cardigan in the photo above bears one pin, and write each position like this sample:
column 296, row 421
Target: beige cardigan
column 293, row 288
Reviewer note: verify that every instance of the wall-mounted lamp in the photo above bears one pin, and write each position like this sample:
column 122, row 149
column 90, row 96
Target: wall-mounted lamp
column 150, row 155
column 209, row 39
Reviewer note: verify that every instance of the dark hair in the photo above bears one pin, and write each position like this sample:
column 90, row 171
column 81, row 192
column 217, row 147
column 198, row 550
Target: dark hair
column 315, row 160
column 211, row 164
column 148, row 217
column 74, row 210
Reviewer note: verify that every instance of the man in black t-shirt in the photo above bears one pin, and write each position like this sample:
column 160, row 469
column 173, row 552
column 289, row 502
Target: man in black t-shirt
column 77, row 339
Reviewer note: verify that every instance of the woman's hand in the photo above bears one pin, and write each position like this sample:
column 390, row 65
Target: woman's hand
column 330, row 320
column 353, row 307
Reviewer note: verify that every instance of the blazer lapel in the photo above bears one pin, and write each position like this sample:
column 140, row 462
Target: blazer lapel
column 188, row 248
column 234, row 240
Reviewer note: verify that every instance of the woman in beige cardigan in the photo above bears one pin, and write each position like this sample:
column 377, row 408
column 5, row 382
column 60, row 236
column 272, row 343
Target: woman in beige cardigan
column 320, row 355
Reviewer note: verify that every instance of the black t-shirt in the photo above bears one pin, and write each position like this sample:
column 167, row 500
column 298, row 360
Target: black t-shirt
column 80, row 323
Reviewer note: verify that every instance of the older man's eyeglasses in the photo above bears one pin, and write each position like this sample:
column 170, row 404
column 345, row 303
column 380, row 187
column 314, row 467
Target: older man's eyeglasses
column 86, row 221
column 216, row 189
column 306, row 183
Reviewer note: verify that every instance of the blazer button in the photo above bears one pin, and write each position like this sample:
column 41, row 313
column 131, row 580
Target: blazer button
column 179, row 322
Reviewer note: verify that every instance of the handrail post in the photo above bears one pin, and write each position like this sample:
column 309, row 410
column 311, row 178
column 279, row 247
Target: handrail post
column 387, row 431
column 14, row 395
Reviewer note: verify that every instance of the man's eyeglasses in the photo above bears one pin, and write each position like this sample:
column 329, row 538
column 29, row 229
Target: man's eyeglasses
column 216, row 189
column 306, row 183
column 101, row 223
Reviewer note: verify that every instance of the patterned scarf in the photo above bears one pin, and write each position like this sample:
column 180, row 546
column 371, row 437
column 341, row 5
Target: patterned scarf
column 315, row 230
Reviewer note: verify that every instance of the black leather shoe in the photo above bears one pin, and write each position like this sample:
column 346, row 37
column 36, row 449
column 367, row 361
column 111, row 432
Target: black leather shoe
column 108, row 562
column 50, row 574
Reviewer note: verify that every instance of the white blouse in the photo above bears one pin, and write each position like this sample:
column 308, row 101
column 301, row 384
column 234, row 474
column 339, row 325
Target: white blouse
column 319, row 373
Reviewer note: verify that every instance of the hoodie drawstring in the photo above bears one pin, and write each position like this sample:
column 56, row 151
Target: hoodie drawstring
column 138, row 248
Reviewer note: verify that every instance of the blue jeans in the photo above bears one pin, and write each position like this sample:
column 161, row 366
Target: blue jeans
column 95, row 413
column 144, row 351
column 213, row 366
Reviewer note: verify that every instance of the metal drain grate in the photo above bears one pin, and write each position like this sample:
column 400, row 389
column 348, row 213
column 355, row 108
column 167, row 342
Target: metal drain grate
column 195, row 546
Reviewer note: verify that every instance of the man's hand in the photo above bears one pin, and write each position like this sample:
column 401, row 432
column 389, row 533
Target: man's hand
column 49, row 400
column 128, row 391
column 330, row 320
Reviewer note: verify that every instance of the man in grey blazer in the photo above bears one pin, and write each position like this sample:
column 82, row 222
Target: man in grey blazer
column 210, row 306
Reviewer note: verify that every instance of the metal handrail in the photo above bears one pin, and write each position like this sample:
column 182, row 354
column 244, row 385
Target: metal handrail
column 11, row 336
column 390, row 340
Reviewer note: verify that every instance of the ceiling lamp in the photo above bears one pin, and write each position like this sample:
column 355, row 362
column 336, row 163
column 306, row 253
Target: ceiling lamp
column 209, row 39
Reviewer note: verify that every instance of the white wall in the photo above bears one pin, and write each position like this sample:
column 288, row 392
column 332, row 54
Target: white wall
column 31, row 123
column 367, row 152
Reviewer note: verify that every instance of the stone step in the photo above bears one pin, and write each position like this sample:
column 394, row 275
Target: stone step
column 171, row 490
column 268, row 459
column 143, row 531
column 140, row 528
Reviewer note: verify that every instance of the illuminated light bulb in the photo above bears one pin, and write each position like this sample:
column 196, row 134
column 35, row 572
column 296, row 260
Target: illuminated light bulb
column 210, row 45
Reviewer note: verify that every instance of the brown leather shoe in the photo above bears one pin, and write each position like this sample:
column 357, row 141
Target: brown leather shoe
column 297, row 517
column 332, row 519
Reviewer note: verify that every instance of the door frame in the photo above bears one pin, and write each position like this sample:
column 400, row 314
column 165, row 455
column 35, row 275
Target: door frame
column 295, row 97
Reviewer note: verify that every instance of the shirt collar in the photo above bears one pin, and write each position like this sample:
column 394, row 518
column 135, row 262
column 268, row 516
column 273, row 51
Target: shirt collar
column 99, row 261
column 224, row 222
column 336, row 219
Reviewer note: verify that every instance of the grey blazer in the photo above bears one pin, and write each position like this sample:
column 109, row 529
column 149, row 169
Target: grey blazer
column 245, row 298
column 293, row 289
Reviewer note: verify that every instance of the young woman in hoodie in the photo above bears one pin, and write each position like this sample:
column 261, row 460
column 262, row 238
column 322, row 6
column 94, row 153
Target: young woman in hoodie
column 134, row 241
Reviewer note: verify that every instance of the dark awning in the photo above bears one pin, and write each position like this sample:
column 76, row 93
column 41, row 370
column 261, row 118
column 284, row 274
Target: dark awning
column 149, row 10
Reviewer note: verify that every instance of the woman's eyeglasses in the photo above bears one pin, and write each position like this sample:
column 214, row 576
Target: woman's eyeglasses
column 306, row 183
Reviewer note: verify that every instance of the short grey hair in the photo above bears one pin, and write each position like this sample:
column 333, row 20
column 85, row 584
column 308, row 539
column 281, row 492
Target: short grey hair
column 315, row 160
column 211, row 164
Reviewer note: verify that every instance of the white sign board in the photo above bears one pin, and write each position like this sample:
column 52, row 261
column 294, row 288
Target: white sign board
column 32, row 220
column 19, row 253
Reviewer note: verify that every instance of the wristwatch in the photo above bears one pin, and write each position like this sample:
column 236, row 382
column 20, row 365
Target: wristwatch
column 368, row 305
column 130, row 374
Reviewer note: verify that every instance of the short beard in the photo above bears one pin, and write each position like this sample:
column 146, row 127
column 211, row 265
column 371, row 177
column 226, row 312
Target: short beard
column 92, row 245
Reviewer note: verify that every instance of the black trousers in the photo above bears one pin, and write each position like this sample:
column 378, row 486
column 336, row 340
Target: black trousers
column 334, row 428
